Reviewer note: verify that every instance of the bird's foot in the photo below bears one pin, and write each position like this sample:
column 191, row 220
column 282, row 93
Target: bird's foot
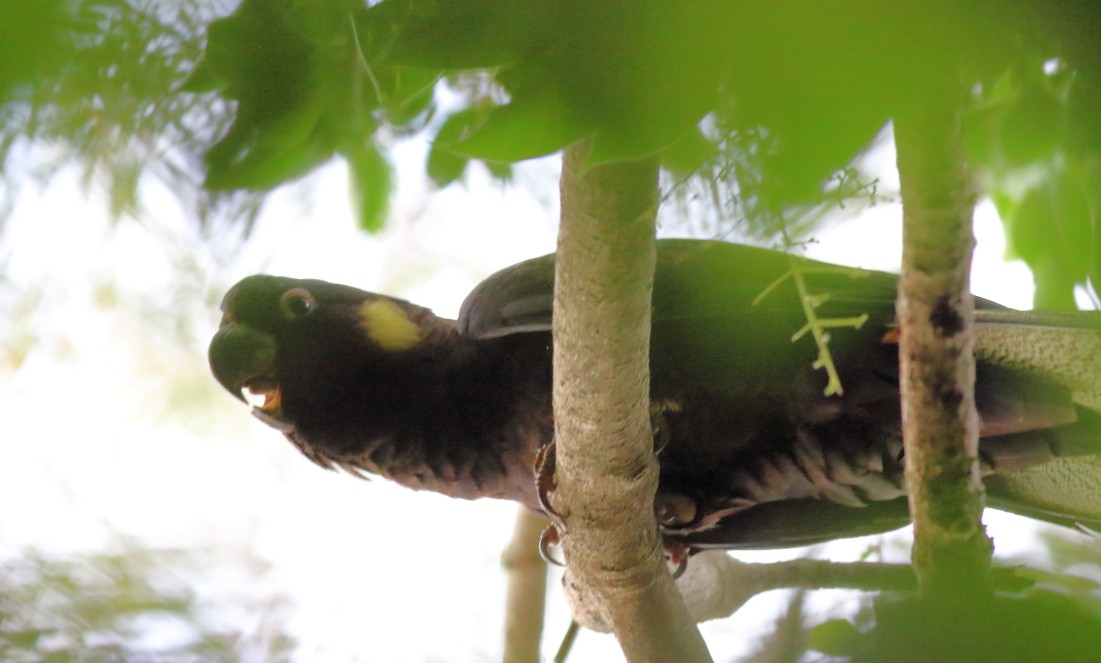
column 677, row 554
column 548, row 539
column 545, row 485
column 674, row 511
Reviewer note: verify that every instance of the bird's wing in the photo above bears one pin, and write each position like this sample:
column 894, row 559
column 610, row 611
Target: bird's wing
column 694, row 279
column 516, row 299
column 725, row 314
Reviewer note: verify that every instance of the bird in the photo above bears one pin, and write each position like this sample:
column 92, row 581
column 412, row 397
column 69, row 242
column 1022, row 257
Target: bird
column 754, row 451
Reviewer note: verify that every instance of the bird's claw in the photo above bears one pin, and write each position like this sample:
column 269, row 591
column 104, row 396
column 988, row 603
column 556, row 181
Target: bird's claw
column 549, row 537
column 545, row 485
column 677, row 512
column 677, row 555
column 674, row 511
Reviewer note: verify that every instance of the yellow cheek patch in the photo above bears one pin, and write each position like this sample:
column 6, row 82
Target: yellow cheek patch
column 387, row 325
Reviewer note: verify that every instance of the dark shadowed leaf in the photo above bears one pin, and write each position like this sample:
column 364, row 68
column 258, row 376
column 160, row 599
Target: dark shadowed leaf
column 450, row 35
column 265, row 156
column 268, row 69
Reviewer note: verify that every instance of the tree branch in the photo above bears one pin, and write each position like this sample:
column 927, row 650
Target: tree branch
column 527, row 588
column 606, row 472
column 716, row 585
column 935, row 311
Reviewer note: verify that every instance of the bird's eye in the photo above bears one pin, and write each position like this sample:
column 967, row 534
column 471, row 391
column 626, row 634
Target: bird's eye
column 296, row 303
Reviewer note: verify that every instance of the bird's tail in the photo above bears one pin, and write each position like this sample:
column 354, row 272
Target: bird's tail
column 1064, row 347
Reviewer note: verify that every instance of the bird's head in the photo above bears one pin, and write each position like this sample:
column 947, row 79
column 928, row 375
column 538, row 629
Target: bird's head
column 280, row 335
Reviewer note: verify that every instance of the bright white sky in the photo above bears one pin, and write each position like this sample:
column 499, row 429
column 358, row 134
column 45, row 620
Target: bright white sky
column 114, row 427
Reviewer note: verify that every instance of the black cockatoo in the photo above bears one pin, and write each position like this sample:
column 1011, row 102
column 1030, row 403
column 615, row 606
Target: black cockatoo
column 753, row 454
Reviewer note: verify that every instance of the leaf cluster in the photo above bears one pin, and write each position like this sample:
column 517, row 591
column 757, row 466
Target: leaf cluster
column 796, row 90
column 96, row 83
column 1055, row 616
column 799, row 89
column 1034, row 137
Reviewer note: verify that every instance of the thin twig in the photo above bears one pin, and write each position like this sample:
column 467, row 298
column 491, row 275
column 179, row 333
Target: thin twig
column 568, row 639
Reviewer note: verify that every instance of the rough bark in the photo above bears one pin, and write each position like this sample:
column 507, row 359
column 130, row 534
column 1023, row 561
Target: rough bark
column 935, row 309
column 606, row 471
column 527, row 589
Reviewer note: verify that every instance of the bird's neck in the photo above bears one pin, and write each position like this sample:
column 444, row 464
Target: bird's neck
column 458, row 416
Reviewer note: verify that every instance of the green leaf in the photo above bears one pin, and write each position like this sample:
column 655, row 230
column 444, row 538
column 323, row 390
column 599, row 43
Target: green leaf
column 836, row 637
column 372, row 182
column 407, row 93
column 261, row 157
column 473, row 34
column 1037, row 626
column 688, row 153
column 265, row 170
column 1072, row 584
column 1004, row 92
column 614, row 143
column 445, row 164
column 1083, row 131
column 532, row 126
column 1030, row 129
column 265, row 61
column 1052, row 229
column 203, row 79
column 278, row 133
column 32, row 37
column 500, row 170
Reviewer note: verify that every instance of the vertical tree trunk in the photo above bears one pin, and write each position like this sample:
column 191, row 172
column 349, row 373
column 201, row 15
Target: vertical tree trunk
column 527, row 589
column 935, row 309
column 606, row 471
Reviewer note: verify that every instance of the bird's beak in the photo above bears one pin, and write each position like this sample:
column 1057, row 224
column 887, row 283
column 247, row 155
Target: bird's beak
column 243, row 357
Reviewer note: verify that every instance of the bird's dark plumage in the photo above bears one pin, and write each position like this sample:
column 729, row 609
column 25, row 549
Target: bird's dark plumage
column 747, row 438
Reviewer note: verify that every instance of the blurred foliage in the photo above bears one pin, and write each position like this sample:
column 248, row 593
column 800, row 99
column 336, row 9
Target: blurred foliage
column 787, row 641
column 1057, row 618
column 1034, row 136
column 1039, row 626
column 97, row 83
column 135, row 604
column 703, row 84
column 754, row 107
